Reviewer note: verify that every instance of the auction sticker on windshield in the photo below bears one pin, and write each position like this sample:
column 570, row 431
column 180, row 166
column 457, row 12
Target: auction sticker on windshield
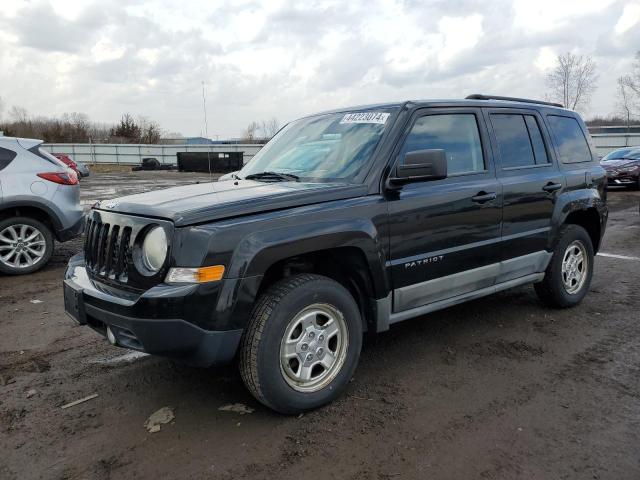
column 365, row 117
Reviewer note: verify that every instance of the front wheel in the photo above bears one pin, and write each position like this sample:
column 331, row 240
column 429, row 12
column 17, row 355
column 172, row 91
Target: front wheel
column 302, row 343
column 568, row 276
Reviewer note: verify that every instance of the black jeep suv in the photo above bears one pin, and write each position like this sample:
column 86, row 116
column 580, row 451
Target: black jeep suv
column 345, row 222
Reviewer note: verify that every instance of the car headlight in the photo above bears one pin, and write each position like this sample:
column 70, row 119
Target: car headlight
column 630, row 169
column 154, row 249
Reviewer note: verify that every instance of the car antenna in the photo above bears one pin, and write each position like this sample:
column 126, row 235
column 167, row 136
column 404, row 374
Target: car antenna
column 206, row 130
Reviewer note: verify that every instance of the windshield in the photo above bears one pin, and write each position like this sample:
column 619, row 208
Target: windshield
column 331, row 147
column 631, row 153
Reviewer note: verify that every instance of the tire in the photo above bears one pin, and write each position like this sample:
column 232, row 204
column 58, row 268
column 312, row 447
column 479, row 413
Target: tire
column 301, row 308
column 42, row 243
column 554, row 291
column 150, row 164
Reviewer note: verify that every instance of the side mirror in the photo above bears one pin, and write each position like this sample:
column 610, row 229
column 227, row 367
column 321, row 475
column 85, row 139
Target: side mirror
column 421, row 165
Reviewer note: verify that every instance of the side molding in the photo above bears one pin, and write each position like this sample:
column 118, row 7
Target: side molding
column 432, row 295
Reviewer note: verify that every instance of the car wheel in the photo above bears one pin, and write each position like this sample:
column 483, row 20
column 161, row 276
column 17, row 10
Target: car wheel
column 302, row 343
column 568, row 276
column 26, row 245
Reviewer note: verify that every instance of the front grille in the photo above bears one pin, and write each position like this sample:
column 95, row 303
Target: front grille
column 112, row 253
column 107, row 250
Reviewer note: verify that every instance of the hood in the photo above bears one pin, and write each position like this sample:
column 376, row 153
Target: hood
column 191, row 204
column 621, row 163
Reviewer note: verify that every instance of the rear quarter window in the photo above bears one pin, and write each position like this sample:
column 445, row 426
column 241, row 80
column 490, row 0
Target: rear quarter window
column 42, row 153
column 570, row 140
column 6, row 156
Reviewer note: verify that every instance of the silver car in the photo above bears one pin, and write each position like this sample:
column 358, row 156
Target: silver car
column 39, row 203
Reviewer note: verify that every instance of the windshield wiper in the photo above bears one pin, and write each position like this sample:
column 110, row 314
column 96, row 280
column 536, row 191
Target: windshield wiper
column 273, row 176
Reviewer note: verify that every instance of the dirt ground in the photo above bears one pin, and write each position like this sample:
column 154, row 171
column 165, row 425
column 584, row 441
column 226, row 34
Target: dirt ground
column 499, row 388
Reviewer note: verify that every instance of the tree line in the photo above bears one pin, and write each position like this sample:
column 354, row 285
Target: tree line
column 78, row 128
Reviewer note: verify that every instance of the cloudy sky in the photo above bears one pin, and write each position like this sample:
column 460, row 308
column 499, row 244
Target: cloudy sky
column 285, row 59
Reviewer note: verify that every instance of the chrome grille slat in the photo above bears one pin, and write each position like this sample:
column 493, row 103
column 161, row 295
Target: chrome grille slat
column 88, row 240
column 94, row 243
column 120, row 272
column 122, row 268
column 111, row 245
column 107, row 250
column 102, row 244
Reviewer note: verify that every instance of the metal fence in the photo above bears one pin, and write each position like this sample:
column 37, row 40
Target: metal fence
column 606, row 142
column 132, row 154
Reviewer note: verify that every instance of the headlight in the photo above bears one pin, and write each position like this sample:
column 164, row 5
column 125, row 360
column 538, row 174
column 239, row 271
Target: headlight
column 154, row 249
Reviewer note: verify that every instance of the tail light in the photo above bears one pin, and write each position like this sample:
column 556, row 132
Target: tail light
column 63, row 178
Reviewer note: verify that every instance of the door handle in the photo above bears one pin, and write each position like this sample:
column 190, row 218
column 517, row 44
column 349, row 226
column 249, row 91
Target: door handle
column 482, row 197
column 552, row 187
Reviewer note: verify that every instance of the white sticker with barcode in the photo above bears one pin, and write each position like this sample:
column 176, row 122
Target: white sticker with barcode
column 365, row 117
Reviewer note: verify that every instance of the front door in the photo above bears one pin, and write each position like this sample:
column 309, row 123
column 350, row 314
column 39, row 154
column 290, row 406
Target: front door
column 444, row 234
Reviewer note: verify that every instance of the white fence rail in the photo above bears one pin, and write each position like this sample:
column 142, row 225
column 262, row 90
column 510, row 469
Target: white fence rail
column 132, row 154
column 606, row 142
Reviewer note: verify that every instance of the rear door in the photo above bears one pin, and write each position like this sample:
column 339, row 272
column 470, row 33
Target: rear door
column 445, row 234
column 531, row 182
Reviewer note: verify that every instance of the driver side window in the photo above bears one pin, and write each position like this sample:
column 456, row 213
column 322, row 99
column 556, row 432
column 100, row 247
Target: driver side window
column 455, row 133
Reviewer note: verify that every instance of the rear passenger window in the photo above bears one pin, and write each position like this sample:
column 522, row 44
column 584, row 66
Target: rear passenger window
column 572, row 145
column 519, row 140
column 539, row 150
column 6, row 156
column 457, row 134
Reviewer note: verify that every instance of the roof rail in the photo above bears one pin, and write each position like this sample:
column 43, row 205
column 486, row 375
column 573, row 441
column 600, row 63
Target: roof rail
column 479, row 96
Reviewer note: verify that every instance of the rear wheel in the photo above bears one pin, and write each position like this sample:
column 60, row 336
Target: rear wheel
column 302, row 343
column 26, row 245
column 568, row 276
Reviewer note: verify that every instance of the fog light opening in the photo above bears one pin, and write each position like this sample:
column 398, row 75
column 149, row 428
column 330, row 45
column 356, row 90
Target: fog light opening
column 111, row 337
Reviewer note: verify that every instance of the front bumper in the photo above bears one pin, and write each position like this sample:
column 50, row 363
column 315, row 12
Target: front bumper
column 120, row 315
column 622, row 179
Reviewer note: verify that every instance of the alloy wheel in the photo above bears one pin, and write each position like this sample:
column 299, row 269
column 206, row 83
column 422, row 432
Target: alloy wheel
column 21, row 246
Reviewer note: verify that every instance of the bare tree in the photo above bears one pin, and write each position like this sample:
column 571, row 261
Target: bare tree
column 18, row 114
column 572, row 81
column 250, row 133
column 1, row 107
column 257, row 132
column 633, row 81
column 150, row 131
column 625, row 101
column 270, row 128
